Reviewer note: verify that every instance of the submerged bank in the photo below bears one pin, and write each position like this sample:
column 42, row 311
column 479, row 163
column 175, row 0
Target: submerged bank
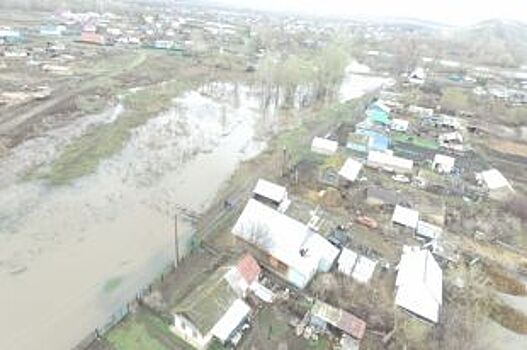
column 88, row 247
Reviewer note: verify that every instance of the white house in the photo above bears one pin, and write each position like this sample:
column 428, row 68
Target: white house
column 212, row 310
column 389, row 162
column 324, row 146
column 285, row 245
column 350, row 170
column 405, row 216
column 419, row 284
column 443, row 164
column 497, row 185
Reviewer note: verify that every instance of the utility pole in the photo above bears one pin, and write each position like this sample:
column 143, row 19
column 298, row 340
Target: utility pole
column 176, row 241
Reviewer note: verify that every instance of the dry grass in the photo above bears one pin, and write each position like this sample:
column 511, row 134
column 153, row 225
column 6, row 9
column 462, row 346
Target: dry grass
column 508, row 317
column 504, row 282
column 509, row 147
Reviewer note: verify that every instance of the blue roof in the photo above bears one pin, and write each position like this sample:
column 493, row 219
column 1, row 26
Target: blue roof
column 378, row 142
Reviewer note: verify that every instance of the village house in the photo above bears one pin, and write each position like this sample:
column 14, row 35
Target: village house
column 389, row 162
column 443, row 164
column 350, row 170
column 286, row 246
column 452, row 140
column 428, row 231
column 212, row 310
column 495, row 183
column 271, row 194
column 324, row 146
column 419, row 284
column 378, row 113
column 405, row 217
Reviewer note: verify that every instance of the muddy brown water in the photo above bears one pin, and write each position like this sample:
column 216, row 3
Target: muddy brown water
column 71, row 256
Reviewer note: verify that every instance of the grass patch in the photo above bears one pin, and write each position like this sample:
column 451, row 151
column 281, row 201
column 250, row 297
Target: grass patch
column 83, row 156
column 133, row 336
column 416, row 141
column 144, row 330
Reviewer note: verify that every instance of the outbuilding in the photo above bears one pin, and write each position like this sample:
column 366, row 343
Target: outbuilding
column 350, row 170
column 419, row 284
column 324, row 146
column 443, row 164
column 405, row 216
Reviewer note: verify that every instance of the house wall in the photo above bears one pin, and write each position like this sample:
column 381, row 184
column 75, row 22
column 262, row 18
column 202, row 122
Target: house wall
column 186, row 330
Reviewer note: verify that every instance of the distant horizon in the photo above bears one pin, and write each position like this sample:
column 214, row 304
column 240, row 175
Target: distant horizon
column 451, row 13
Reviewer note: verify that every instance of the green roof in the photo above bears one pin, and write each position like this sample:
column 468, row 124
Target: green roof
column 205, row 306
column 415, row 141
column 378, row 117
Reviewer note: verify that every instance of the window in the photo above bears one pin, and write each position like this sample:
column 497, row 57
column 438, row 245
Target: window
column 194, row 334
column 183, row 325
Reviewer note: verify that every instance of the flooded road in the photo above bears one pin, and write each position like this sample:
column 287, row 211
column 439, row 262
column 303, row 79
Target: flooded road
column 71, row 256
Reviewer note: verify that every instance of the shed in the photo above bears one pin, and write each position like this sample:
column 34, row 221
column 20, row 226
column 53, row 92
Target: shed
column 498, row 186
column 405, row 216
column 231, row 320
column 350, row 170
column 427, row 230
column 376, row 141
column 322, row 314
column 399, row 124
column 494, row 179
column 347, row 260
column 243, row 274
column 364, row 269
column 419, row 284
column 443, row 164
column 324, row 146
column 270, row 191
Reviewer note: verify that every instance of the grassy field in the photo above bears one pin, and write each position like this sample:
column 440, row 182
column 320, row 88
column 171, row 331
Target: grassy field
column 144, row 330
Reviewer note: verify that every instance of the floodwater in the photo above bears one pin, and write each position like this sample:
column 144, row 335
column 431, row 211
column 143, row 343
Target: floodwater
column 71, row 256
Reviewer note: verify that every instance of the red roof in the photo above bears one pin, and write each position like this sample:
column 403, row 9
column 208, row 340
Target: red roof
column 248, row 268
column 339, row 318
column 352, row 325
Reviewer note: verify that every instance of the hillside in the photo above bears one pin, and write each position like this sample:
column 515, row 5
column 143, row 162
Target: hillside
column 494, row 42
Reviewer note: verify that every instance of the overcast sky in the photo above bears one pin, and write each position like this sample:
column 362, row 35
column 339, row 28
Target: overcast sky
column 446, row 11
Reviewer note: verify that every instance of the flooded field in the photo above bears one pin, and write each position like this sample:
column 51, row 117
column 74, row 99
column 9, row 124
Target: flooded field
column 71, row 255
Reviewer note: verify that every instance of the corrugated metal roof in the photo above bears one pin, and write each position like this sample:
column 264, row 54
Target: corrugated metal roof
column 419, row 283
column 234, row 316
column 350, row 170
column 340, row 319
column 277, row 235
column 248, row 268
column 405, row 216
column 270, row 190
column 324, row 146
